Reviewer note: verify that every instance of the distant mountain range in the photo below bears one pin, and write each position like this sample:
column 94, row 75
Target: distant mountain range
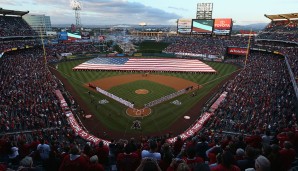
column 255, row 27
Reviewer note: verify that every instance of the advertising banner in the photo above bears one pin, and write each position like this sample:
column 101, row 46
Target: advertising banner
column 195, row 128
column 222, row 26
column 184, row 26
column 237, row 51
column 75, row 125
column 62, row 36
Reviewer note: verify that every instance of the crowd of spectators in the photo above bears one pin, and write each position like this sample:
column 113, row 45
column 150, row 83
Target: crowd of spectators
column 292, row 55
column 26, row 93
column 72, row 47
column 15, row 26
column 51, row 49
column 290, row 50
column 203, row 45
column 28, row 103
column 281, row 30
column 259, row 113
column 8, row 45
column 62, row 150
column 261, row 96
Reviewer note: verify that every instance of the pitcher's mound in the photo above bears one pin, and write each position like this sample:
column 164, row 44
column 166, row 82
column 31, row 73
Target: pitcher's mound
column 142, row 91
column 138, row 112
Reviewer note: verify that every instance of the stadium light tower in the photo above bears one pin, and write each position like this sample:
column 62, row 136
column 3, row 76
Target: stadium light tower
column 76, row 5
column 204, row 10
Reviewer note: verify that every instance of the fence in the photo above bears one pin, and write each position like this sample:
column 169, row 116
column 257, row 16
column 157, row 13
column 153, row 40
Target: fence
column 165, row 98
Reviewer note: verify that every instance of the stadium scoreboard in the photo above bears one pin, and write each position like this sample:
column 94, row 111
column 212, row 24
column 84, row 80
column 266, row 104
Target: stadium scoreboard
column 202, row 26
column 217, row 26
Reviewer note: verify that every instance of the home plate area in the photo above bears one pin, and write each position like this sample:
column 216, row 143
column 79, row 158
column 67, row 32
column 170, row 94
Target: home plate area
column 138, row 112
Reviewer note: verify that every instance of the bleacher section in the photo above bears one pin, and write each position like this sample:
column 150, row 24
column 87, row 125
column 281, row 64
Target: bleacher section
column 204, row 46
column 11, row 26
column 283, row 27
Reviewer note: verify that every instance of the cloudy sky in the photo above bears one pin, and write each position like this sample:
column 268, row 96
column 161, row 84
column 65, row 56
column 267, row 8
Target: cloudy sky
column 105, row 12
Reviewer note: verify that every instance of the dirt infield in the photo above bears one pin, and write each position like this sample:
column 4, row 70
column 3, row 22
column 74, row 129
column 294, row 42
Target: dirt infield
column 138, row 112
column 174, row 82
column 100, row 131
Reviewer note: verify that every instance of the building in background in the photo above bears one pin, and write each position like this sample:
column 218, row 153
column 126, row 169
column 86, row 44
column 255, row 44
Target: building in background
column 40, row 23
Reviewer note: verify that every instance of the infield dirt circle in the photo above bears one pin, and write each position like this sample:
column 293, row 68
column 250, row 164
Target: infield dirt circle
column 141, row 91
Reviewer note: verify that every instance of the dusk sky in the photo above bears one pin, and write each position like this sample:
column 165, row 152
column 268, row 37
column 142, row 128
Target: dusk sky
column 165, row 12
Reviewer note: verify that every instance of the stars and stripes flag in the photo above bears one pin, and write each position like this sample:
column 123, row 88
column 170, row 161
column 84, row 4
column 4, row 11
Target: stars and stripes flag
column 146, row 64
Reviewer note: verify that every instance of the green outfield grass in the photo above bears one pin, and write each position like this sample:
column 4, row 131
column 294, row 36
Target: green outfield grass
column 113, row 114
column 152, row 47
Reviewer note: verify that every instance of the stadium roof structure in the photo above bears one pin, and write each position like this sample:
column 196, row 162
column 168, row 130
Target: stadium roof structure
column 290, row 16
column 12, row 12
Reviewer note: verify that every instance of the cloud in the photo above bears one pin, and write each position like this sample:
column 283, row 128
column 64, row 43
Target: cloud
column 128, row 12
column 103, row 12
column 178, row 9
column 9, row 2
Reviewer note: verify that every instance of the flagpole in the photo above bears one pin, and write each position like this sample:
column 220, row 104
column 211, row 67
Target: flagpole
column 248, row 46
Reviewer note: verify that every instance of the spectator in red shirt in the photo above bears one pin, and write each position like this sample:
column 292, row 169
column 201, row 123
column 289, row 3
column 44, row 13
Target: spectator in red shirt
column 227, row 163
column 94, row 165
column 102, row 151
column 74, row 161
column 255, row 140
column 287, row 155
column 128, row 160
column 192, row 160
column 177, row 146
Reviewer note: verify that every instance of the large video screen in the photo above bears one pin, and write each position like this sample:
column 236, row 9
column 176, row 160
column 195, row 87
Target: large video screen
column 202, row 26
column 222, row 26
column 73, row 36
column 184, row 26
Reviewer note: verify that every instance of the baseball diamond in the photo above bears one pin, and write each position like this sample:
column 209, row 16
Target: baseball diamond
column 113, row 117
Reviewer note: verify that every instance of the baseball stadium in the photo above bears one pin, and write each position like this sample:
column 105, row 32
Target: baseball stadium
column 204, row 97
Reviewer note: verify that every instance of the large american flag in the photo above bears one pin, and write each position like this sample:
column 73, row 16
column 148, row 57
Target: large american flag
column 146, row 64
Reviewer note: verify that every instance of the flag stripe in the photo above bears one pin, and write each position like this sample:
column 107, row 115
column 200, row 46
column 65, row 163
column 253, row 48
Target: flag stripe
column 145, row 64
